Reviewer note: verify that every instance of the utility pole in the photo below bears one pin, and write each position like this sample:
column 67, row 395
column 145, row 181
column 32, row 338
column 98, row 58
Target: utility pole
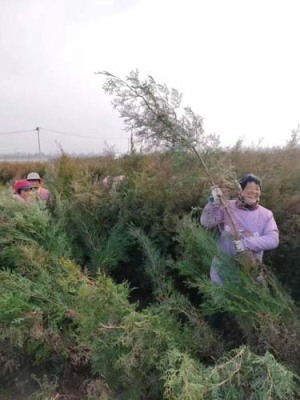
column 39, row 143
column 132, row 149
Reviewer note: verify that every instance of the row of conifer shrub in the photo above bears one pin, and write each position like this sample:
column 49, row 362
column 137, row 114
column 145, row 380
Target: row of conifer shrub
column 111, row 283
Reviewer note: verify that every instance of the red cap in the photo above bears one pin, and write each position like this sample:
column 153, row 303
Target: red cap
column 22, row 184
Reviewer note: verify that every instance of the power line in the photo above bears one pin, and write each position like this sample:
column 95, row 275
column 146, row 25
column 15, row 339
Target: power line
column 39, row 129
column 50, row 130
column 16, row 132
column 70, row 133
column 59, row 132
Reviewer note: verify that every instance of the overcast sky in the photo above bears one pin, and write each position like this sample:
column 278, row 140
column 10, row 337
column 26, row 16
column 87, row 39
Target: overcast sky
column 236, row 63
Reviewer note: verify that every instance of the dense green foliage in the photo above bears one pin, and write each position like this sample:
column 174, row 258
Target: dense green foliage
column 113, row 283
column 108, row 284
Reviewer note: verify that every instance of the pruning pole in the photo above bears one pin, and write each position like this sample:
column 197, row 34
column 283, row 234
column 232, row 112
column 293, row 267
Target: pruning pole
column 223, row 199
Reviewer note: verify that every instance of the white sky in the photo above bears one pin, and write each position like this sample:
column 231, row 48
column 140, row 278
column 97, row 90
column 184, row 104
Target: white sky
column 236, row 62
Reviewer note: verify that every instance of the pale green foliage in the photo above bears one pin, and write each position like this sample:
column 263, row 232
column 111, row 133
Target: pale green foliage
column 183, row 376
column 94, row 222
column 101, row 308
column 146, row 337
column 265, row 312
column 30, row 224
column 127, row 345
column 36, row 315
column 53, row 313
column 294, row 140
column 111, row 250
column 241, row 375
column 266, row 315
column 124, row 344
column 246, row 298
column 155, row 267
column 37, row 283
column 197, row 247
column 153, row 115
column 195, row 333
column 151, row 111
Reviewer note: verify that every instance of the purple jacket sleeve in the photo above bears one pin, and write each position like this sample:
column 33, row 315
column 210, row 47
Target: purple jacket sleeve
column 212, row 215
column 267, row 241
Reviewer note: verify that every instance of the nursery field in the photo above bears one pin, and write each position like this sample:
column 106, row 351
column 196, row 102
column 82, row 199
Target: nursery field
column 105, row 291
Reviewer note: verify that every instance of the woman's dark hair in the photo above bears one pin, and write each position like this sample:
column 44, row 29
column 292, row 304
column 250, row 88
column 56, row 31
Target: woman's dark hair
column 249, row 178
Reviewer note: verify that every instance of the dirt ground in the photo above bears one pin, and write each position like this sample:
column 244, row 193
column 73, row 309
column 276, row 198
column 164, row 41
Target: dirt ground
column 31, row 386
column 34, row 386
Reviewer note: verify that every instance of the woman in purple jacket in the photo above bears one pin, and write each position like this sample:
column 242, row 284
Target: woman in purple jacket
column 255, row 225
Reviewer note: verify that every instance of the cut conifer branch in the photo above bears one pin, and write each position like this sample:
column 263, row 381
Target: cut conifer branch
column 149, row 111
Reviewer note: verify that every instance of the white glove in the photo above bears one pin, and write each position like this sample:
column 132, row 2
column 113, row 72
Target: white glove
column 260, row 278
column 239, row 246
column 216, row 193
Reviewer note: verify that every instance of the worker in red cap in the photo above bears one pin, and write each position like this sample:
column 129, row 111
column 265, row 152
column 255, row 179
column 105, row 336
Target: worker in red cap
column 22, row 190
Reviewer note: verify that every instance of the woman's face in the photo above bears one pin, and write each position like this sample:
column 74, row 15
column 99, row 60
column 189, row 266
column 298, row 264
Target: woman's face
column 251, row 193
column 26, row 194
column 35, row 183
